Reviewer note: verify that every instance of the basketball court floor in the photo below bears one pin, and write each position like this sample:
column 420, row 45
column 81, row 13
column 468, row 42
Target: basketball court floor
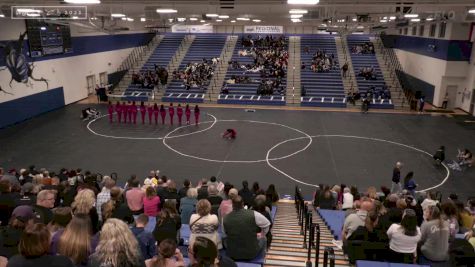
column 283, row 147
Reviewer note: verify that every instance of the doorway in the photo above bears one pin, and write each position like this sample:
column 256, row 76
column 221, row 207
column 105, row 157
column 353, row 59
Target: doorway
column 103, row 79
column 451, row 90
column 91, row 84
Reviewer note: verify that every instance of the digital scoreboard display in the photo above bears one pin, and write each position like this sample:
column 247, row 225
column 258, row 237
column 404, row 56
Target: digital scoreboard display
column 47, row 38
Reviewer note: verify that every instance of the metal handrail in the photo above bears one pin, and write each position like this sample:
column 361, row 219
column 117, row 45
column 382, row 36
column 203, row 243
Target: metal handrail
column 317, row 244
column 329, row 257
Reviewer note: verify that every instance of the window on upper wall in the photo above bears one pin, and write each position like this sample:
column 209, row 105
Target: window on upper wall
column 405, row 31
column 414, row 30
column 421, row 30
column 432, row 30
column 443, row 25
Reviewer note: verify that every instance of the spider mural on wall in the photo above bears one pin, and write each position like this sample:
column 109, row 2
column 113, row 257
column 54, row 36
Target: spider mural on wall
column 16, row 63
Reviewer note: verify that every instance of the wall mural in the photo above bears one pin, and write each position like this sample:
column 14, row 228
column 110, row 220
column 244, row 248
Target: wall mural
column 16, row 63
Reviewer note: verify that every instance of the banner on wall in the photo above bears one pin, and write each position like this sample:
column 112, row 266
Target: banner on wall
column 192, row 28
column 264, row 29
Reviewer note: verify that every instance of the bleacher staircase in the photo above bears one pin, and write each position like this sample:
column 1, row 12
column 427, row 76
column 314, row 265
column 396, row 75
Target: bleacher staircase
column 287, row 247
column 216, row 82
column 146, row 52
column 293, row 72
column 349, row 82
column 389, row 74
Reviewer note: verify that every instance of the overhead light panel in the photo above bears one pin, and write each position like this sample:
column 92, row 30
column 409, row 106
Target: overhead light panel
column 2, row 16
column 181, row 19
column 233, row 21
column 212, row 15
column 296, row 16
column 166, row 10
column 302, row 2
column 219, row 20
column 354, row 19
column 360, row 27
column 415, row 20
column 256, row 20
column 130, row 19
column 392, row 17
column 82, row 1
column 295, row 20
column 170, row 20
column 472, row 11
column 202, row 21
column 298, row 11
column 429, row 19
column 206, row 24
column 245, row 19
column 143, row 19
column 383, row 20
column 411, row 15
column 193, row 19
column 117, row 15
column 223, row 16
column 75, row 17
column 124, row 18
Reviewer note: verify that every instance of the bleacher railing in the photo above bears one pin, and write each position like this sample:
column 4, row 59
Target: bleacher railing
column 347, row 56
column 392, row 62
column 328, row 257
column 137, row 54
column 222, row 66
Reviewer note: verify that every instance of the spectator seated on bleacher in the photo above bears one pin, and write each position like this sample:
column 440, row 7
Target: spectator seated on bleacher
column 195, row 75
column 205, row 224
column 240, row 227
column 168, row 223
column 204, row 253
column 367, row 73
column 322, row 62
column 168, row 256
column 150, row 79
column 366, row 48
column 188, row 205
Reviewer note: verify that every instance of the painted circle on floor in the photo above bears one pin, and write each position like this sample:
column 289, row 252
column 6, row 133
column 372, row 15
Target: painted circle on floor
column 268, row 159
column 89, row 127
column 305, row 135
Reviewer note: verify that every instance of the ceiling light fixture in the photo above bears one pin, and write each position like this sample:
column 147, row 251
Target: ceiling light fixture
column 170, row 20
column 354, row 19
column 233, row 21
column 392, row 17
column 82, row 1
column 124, row 18
column 181, row 19
column 223, row 16
column 206, row 24
column 193, row 19
column 383, row 20
column 166, row 10
column 143, row 19
column 302, row 2
column 117, row 15
column 130, row 19
column 472, row 11
column 212, row 15
column 245, row 19
column 298, row 11
column 429, row 19
column 75, row 17
column 256, row 20
column 295, row 20
column 360, row 27
column 411, row 15
column 415, row 20
column 296, row 16
column 219, row 20
column 202, row 21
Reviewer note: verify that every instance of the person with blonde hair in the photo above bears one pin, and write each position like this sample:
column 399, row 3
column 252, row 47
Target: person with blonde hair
column 76, row 241
column 203, row 223
column 117, row 247
column 226, row 205
column 84, row 203
column 188, row 205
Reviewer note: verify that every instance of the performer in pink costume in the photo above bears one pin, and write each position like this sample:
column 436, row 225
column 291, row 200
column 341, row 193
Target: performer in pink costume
column 143, row 110
column 134, row 112
column 150, row 113
column 171, row 112
column 179, row 113
column 163, row 113
column 118, row 110
column 155, row 112
column 110, row 110
column 187, row 114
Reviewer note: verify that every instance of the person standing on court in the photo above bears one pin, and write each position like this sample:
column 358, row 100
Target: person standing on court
column 143, row 110
column 163, row 113
column 110, row 110
column 187, row 114
column 197, row 115
column 179, row 113
column 171, row 112
column 150, row 113
column 409, row 183
column 118, row 110
column 155, row 112
column 396, row 180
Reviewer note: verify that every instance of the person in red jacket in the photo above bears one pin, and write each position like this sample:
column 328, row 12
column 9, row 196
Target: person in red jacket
column 134, row 112
column 118, row 110
column 187, row 114
column 171, row 111
column 229, row 134
column 143, row 110
column 150, row 113
column 110, row 110
column 155, row 112
column 197, row 115
column 163, row 113
column 179, row 113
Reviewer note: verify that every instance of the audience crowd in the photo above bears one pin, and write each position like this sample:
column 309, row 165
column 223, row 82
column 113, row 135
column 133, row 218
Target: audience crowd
column 150, row 79
column 399, row 225
column 270, row 57
column 366, row 48
column 76, row 218
column 196, row 74
column 321, row 61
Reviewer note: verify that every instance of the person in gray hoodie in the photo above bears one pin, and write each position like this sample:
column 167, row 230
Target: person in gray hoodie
column 434, row 241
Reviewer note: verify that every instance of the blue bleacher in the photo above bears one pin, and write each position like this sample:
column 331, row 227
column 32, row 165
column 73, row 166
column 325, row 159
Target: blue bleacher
column 360, row 61
column 161, row 56
column 205, row 46
column 334, row 219
column 323, row 89
column 360, row 263
column 246, row 93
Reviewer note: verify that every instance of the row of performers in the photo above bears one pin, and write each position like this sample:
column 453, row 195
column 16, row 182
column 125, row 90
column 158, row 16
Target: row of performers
column 127, row 112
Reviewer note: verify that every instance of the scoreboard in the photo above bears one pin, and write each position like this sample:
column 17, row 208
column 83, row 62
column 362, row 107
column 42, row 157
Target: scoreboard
column 48, row 39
